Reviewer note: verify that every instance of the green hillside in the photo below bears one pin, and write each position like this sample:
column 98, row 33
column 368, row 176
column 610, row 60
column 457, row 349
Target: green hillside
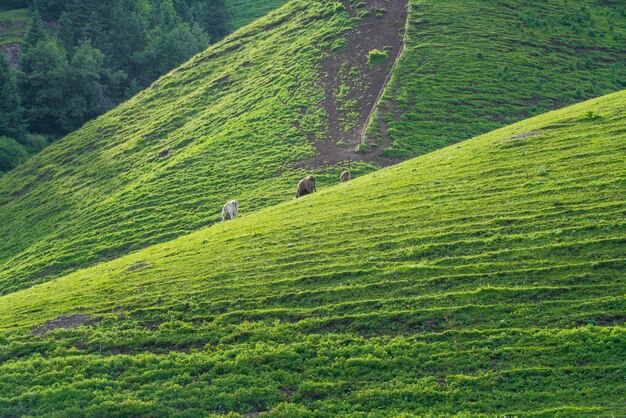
column 473, row 66
column 13, row 25
column 484, row 278
column 289, row 95
column 244, row 12
column 231, row 123
column 75, row 60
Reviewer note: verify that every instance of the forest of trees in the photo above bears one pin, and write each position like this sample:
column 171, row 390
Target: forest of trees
column 82, row 57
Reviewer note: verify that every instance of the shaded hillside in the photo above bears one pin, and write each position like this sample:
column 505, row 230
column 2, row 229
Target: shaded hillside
column 243, row 12
column 484, row 278
column 474, row 66
column 13, row 24
column 231, row 123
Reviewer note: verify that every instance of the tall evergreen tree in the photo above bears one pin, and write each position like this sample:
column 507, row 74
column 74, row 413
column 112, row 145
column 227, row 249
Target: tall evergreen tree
column 36, row 32
column 129, row 38
column 93, row 30
column 11, row 117
column 12, row 154
column 66, row 33
column 213, row 16
column 165, row 15
column 169, row 48
column 43, row 81
column 85, row 95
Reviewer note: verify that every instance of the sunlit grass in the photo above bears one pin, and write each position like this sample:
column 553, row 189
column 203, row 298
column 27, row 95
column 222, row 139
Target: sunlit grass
column 484, row 278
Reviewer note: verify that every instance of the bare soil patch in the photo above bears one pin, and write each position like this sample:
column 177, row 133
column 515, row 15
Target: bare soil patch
column 349, row 70
column 65, row 321
column 12, row 53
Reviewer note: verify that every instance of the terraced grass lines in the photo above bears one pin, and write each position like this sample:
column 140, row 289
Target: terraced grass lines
column 13, row 24
column 470, row 67
column 484, row 278
column 231, row 123
column 244, row 118
column 244, row 12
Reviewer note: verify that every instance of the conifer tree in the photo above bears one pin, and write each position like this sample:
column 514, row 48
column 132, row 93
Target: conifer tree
column 36, row 32
column 66, row 33
column 43, row 84
column 11, row 122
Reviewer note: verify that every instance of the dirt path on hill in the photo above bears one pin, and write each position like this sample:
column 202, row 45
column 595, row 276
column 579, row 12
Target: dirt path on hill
column 347, row 77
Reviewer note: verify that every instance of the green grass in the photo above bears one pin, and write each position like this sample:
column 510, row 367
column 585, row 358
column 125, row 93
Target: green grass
column 233, row 122
column 13, row 26
column 470, row 67
column 376, row 56
column 244, row 12
column 484, row 278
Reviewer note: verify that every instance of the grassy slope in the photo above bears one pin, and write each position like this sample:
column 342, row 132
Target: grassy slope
column 244, row 12
column 229, row 119
column 222, row 126
column 474, row 66
column 13, row 24
column 486, row 277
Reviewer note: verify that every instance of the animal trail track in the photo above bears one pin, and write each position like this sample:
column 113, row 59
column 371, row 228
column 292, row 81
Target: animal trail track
column 353, row 87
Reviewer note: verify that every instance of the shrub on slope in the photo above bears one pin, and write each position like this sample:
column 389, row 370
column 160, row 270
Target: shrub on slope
column 484, row 278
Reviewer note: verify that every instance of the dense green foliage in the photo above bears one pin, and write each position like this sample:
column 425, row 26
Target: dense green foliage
column 58, row 96
column 484, row 278
column 10, row 106
column 473, row 66
column 139, row 40
column 12, row 153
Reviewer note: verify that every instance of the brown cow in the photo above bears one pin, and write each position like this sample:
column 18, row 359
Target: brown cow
column 306, row 186
column 345, row 176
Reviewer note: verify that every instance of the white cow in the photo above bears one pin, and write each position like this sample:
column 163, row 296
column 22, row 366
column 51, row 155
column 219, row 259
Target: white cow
column 229, row 211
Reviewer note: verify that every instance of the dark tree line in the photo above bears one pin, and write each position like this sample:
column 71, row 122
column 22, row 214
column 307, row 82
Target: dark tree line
column 82, row 57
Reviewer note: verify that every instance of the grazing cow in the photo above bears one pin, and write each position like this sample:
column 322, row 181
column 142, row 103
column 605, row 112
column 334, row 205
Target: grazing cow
column 306, row 186
column 345, row 176
column 229, row 211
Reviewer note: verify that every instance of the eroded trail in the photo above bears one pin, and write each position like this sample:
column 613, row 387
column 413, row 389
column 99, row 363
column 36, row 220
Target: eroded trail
column 353, row 84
